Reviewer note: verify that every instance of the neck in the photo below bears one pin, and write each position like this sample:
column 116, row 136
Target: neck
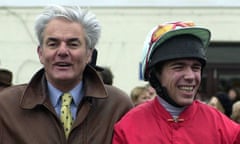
column 174, row 111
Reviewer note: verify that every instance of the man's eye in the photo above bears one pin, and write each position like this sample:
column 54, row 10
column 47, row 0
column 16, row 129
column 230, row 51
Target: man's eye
column 73, row 44
column 177, row 67
column 52, row 44
column 196, row 68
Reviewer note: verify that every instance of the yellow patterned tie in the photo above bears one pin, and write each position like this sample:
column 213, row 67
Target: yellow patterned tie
column 66, row 116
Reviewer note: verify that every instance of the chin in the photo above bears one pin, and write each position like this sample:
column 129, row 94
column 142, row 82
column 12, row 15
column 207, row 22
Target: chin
column 63, row 78
column 186, row 102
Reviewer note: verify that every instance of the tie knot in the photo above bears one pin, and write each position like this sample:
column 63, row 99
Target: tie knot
column 66, row 99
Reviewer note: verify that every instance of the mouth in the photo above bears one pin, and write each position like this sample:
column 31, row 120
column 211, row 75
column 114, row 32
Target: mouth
column 186, row 88
column 62, row 64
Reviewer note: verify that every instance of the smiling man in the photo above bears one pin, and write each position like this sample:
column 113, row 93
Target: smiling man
column 66, row 101
column 173, row 61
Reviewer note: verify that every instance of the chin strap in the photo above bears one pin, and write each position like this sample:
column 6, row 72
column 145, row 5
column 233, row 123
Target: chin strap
column 163, row 94
column 162, row 91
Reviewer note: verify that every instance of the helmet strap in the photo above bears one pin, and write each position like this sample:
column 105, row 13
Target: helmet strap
column 161, row 91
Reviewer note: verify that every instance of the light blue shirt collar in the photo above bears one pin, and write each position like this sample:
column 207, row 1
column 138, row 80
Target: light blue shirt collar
column 54, row 94
column 55, row 97
column 77, row 93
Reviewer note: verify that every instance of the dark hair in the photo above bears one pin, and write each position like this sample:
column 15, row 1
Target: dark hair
column 237, row 91
column 225, row 102
column 106, row 75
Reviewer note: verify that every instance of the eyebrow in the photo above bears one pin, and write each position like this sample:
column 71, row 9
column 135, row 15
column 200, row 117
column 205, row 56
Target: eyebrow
column 73, row 39
column 182, row 63
column 57, row 39
column 176, row 63
column 52, row 39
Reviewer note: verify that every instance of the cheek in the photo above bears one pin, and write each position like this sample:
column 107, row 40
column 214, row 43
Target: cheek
column 198, row 77
column 82, row 58
column 46, row 56
column 169, row 79
column 141, row 98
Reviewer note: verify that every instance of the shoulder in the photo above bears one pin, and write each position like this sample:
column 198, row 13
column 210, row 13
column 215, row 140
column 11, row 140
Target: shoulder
column 136, row 121
column 115, row 90
column 116, row 93
column 12, row 91
column 142, row 113
column 212, row 114
column 117, row 98
column 10, row 99
column 207, row 108
column 229, row 130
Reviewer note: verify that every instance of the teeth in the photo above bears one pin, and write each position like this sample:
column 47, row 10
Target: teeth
column 63, row 64
column 186, row 88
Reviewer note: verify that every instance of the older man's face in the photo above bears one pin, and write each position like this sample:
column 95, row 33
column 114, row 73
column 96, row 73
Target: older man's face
column 64, row 53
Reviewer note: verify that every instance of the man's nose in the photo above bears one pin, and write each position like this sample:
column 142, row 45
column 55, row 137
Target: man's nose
column 63, row 49
column 189, row 73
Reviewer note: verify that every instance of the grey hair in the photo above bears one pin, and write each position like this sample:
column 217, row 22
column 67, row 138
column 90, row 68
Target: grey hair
column 84, row 17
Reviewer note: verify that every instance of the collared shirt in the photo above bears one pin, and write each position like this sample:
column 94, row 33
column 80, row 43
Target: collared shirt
column 55, row 98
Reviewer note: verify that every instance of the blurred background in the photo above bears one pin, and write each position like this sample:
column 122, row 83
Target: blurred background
column 125, row 24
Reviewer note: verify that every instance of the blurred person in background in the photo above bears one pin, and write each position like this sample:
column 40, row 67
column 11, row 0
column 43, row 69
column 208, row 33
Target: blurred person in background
column 104, row 72
column 106, row 75
column 139, row 95
column 234, row 94
column 6, row 77
column 221, row 102
column 151, row 91
column 236, row 112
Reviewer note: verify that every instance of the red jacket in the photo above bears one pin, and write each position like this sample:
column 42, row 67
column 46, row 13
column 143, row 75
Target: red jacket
column 150, row 123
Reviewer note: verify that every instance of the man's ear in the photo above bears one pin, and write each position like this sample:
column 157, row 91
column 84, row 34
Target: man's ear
column 89, row 55
column 39, row 51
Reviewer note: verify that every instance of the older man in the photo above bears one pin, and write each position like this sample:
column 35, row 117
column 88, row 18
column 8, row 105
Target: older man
column 65, row 101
